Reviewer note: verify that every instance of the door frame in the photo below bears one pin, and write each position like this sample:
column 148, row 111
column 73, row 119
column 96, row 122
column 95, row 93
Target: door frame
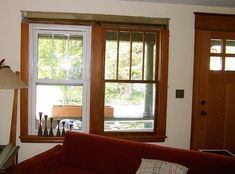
column 204, row 24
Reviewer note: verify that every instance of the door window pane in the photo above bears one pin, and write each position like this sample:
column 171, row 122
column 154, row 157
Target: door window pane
column 230, row 46
column 215, row 63
column 230, row 63
column 216, row 46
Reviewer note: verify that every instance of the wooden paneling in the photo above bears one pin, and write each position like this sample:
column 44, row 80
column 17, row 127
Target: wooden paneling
column 214, row 22
column 229, row 129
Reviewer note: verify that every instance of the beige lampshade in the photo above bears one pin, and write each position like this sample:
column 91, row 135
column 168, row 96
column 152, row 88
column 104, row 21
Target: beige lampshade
column 9, row 80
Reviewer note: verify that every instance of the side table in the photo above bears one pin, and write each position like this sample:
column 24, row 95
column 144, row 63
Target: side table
column 11, row 162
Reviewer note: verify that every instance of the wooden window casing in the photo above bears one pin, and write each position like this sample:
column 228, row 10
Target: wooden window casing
column 97, row 90
column 96, row 125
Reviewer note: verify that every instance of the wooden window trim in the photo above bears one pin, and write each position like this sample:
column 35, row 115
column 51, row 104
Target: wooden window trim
column 97, row 91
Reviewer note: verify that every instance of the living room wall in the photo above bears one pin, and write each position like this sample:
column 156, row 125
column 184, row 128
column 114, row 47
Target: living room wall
column 181, row 52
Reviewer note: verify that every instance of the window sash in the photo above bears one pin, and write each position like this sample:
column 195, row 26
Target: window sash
column 97, row 90
column 37, row 29
column 115, row 35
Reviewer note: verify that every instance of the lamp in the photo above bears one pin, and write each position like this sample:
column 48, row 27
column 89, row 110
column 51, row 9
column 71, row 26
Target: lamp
column 11, row 80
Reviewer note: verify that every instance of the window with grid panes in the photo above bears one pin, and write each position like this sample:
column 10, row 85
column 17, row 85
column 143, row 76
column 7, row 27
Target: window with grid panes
column 116, row 87
column 131, row 79
column 58, row 86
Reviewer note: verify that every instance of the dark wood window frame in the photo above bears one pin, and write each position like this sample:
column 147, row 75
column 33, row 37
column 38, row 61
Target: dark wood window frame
column 97, row 85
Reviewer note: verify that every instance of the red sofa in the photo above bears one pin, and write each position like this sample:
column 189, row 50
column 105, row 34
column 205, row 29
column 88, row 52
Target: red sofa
column 92, row 154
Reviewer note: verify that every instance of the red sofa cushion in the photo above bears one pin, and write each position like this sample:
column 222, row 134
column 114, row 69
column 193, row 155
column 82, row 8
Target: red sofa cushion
column 100, row 154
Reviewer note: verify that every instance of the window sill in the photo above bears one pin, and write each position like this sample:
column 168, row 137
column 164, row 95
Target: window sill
column 37, row 139
column 144, row 138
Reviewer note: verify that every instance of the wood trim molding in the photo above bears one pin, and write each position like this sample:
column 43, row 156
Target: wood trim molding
column 97, row 91
column 24, row 76
column 37, row 16
column 215, row 22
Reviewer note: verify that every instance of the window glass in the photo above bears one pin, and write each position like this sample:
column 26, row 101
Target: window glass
column 230, row 46
column 111, row 55
column 137, row 56
column 131, row 107
column 124, row 56
column 216, row 46
column 230, row 63
column 58, row 86
column 130, row 98
column 150, row 46
column 64, row 104
column 60, row 57
column 215, row 63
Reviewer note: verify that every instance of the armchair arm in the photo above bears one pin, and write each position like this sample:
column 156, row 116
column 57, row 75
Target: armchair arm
column 42, row 163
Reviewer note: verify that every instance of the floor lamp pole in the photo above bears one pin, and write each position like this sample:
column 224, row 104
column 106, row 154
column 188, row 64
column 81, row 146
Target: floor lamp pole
column 14, row 117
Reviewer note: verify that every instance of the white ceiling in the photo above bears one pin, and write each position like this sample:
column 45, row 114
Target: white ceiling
column 221, row 3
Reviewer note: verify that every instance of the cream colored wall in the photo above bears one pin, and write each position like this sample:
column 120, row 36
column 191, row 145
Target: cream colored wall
column 180, row 56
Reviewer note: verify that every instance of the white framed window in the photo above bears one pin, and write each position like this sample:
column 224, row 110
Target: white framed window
column 59, row 59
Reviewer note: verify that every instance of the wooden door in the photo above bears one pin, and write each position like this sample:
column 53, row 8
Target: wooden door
column 213, row 119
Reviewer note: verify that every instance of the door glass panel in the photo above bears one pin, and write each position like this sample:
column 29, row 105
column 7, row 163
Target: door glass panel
column 230, row 46
column 215, row 63
column 230, row 63
column 216, row 46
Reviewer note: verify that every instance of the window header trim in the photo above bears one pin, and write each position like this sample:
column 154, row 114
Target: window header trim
column 32, row 16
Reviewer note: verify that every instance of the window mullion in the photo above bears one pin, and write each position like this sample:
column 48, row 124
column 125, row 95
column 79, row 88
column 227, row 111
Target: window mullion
column 60, row 82
column 143, row 56
column 118, row 40
column 130, row 69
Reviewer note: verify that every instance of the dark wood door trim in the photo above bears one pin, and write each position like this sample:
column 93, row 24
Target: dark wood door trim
column 200, row 77
column 205, row 25
column 215, row 22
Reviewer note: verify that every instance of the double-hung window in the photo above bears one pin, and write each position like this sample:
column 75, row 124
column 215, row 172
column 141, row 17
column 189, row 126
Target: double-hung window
column 128, row 92
column 58, row 78
column 101, row 77
column 131, row 79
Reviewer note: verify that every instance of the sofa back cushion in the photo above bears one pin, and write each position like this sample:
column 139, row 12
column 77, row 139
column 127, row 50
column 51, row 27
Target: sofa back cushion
column 100, row 154
column 104, row 155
